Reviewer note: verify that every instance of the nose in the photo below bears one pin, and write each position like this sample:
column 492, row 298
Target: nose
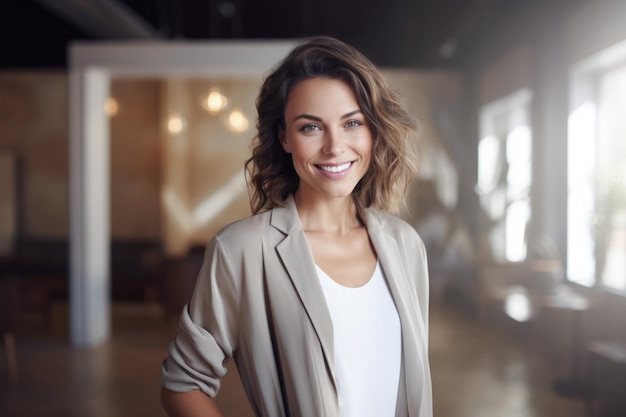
column 334, row 142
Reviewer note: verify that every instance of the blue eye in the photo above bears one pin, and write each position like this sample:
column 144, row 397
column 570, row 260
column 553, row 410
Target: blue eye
column 309, row 128
column 354, row 123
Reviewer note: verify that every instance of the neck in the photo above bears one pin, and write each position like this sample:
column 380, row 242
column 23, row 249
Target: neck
column 334, row 215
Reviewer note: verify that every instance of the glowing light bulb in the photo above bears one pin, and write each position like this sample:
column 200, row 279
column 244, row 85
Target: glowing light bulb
column 237, row 121
column 175, row 124
column 215, row 101
column 111, row 107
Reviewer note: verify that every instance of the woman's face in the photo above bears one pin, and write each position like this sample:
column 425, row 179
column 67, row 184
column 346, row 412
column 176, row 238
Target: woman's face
column 327, row 136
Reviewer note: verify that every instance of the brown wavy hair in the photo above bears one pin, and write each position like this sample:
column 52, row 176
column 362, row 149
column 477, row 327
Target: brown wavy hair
column 270, row 171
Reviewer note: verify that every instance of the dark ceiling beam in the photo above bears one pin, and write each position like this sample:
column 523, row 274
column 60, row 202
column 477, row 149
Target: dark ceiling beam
column 102, row 18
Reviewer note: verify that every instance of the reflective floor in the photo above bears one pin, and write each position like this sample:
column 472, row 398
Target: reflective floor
column 476, row 372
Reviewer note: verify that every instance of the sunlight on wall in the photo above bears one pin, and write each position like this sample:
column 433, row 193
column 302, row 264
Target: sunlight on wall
column 219, row 201
column 177, row 209
column 191, row 219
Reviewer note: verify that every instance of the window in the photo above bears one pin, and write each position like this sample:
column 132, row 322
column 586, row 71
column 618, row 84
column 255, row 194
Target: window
column 504, row 173
column 612, row 178
column 596, row 253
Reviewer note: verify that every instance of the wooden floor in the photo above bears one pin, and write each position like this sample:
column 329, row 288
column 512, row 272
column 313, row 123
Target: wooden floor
column 477, row 372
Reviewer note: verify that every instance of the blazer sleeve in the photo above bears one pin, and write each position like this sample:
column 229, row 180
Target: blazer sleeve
column 208, row 328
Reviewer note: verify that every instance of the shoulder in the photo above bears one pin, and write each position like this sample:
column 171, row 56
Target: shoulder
column 245, row 226
column 245, row 233
column 391, row 223
column 399, row 229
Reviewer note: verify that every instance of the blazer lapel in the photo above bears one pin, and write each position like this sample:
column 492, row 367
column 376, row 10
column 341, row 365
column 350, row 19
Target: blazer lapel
column 392, row 264
column 295, row 253
column 388, row 252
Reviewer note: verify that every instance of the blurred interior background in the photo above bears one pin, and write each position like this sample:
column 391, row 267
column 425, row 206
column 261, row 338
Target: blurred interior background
column 115, row 172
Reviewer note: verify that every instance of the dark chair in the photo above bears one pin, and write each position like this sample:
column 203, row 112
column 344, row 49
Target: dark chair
column 179, row 279
column 9, row 293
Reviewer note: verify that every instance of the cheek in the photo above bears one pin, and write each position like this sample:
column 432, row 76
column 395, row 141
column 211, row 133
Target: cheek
column 367, row 147
column 366, row 144
column 302, row 150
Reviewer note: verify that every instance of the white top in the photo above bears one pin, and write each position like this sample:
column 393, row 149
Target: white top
column 367, row 346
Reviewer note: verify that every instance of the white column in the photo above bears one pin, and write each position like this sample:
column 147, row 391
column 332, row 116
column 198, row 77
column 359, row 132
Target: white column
column 91, row 67
column 89, row 208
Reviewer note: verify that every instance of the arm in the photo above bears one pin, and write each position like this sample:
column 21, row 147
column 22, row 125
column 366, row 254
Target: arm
column 188, row 404
column 206, row 339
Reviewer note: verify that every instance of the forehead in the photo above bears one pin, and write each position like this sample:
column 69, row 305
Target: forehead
column 320, row 94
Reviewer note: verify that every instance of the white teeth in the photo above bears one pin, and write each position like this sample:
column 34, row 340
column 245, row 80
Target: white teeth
column 335, row 168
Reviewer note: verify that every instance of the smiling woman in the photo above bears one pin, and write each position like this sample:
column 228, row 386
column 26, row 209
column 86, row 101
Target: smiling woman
column 320, row 296
column 328, row 139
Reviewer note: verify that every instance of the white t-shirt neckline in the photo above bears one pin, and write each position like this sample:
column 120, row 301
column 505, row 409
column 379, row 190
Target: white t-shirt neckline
column 367, row 345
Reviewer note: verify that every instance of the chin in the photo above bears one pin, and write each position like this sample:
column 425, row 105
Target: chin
column 340, row 193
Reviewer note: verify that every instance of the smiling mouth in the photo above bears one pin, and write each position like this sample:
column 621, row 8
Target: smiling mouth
column 335, row 168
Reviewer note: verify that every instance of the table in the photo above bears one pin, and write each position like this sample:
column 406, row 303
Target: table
column 523, row 305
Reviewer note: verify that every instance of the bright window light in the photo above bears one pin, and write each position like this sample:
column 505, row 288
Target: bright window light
column 612, row 187
column 581, row 198
column 517, row 216
column 488, row 155
column 518, row 155
column 505, row 173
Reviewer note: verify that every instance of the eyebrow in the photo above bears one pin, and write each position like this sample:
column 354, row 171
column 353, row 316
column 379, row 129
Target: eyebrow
column 319, row 119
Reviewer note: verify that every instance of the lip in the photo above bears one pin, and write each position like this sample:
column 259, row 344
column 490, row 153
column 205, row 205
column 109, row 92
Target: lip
column 335, row 175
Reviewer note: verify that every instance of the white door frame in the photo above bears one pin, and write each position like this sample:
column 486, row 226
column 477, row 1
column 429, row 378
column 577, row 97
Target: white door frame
column 92, row 64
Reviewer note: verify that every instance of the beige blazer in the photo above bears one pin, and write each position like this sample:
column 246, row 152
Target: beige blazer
column 258, row 300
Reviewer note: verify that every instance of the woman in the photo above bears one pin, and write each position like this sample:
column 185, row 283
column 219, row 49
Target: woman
column 320, row 297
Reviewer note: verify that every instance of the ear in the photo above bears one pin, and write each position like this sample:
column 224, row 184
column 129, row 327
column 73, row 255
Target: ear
column 283, row 140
